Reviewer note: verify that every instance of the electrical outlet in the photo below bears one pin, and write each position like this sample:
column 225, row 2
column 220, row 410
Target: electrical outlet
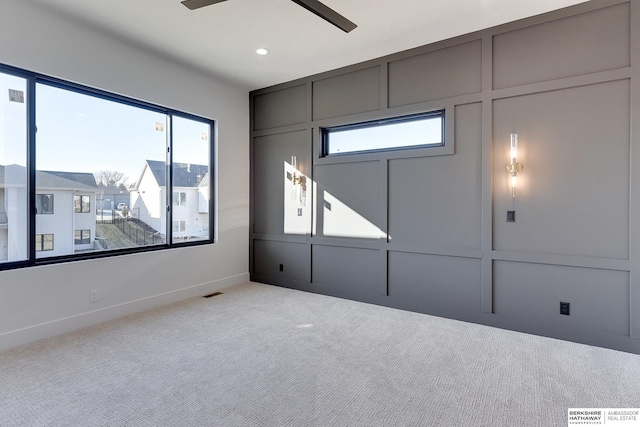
column 299, row 211
column 565, row 308
column 93, row 295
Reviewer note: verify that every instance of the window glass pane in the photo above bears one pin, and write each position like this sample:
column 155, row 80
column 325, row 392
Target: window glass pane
column 47, row 242
column 13, row 171
column 44, row 204
column 402, row 132
column 44, row 242
column 86, row 204
column 82, row 237
column 191, row 179
column 90, row 149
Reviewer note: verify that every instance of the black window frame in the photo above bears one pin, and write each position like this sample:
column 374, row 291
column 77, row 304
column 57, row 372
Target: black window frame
column 326, row 133
column 81, row 204
column 32, row 79
column 42, row 237
column 82, row 240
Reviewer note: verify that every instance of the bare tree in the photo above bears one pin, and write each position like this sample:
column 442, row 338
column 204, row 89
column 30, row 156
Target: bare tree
column 106, row 178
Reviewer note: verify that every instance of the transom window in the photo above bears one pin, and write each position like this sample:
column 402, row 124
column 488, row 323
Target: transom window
column 413, row 131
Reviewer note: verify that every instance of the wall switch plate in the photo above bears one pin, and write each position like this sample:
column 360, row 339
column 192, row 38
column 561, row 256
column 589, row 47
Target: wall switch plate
column 511, row 216
column 93, row 295
column 565, row 308
column 281, row 267
column 299, row 211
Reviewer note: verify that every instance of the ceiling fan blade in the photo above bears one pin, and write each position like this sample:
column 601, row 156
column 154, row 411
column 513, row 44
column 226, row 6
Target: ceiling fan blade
column 196, row 4
column 325, row 13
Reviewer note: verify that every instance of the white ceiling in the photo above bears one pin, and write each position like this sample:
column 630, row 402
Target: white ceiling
column 221, row 39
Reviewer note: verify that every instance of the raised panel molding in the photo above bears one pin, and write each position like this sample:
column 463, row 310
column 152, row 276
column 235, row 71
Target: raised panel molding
column 279, row 108
column 414, row 230
column 443, row 73
column 581, row 44
column 350, row 93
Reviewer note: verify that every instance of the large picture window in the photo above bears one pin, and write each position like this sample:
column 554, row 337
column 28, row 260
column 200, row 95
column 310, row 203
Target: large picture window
column 413, row 131
column 116, row 168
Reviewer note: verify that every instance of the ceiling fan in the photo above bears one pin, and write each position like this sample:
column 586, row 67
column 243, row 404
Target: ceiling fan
column 314, row 6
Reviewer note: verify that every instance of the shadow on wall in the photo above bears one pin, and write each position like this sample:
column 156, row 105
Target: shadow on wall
column 337, row 219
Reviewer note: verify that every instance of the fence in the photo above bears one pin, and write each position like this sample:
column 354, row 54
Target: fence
column 105, row 216
column 136, row 232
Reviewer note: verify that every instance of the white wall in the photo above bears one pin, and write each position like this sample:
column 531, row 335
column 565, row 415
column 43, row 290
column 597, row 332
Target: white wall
column 42, row 301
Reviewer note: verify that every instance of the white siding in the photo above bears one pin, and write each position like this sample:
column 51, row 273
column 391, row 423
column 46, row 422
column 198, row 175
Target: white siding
column 59, row 223
column 147, row 202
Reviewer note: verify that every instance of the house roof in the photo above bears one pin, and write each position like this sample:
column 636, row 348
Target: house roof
column 113, row 190
column 184, row 174
column 204, row 182
column 16, row 175
column 87, row 179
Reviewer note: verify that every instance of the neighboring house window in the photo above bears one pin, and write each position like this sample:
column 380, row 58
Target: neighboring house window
column 179, row 226
column 179, row 198
column 413, row 131
column 82, row 204
column 44, row 204
column 82, row 237
column 44, row 242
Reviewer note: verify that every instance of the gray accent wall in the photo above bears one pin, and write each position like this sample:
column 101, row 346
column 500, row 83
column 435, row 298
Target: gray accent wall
column 426, row 229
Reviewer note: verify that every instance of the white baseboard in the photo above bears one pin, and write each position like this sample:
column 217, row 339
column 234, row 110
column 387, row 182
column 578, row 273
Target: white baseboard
column 56, row 327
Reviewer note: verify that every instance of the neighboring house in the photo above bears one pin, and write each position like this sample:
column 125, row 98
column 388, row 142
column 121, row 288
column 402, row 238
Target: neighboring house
column 71, row 219
column 204, row 195
column 110, row 197
column 13, row 222
column 65, row 212
column 190, row 198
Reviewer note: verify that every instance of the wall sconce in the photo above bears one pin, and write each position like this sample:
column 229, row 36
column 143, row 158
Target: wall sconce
column 295, row 177
column 513, row 167
column 299, row 183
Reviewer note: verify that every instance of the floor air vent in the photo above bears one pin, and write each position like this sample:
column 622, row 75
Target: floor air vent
column 215, row 294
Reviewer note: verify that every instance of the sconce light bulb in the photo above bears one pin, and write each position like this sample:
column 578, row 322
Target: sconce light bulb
column 514, row 148
column 294, row 162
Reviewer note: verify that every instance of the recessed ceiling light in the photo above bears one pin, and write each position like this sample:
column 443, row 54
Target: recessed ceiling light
column 262, row 51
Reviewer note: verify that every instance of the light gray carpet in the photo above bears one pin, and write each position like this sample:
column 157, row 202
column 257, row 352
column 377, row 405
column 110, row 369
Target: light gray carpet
column 260, row 355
